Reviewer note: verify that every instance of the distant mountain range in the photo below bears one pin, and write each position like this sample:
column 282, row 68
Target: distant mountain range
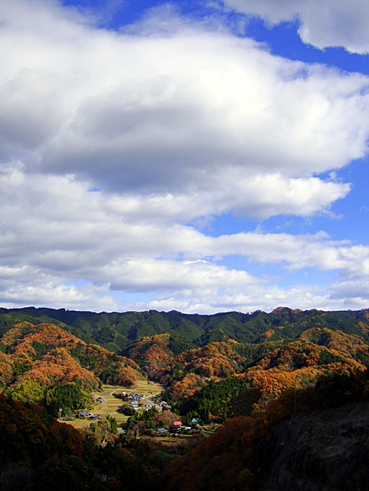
column 257, row 369
column 117, row 331
column 270, row 352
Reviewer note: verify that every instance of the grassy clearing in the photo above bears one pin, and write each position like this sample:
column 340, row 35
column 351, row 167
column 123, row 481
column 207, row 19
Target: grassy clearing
column 77, row 423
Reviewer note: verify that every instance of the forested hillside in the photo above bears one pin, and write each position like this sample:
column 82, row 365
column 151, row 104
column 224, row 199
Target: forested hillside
column 186, row 353
column 37, row 361
column 117, row 331
column 243, row 372
column 314, row 449
column 39, row 453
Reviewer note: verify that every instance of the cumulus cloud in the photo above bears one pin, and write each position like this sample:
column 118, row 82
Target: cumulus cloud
column 351, row 292
column 227, row 108
column 153, row 113
column 323, row 23
column 256, row 298
column 113, row 143
column 55, row 231
column 52, row 292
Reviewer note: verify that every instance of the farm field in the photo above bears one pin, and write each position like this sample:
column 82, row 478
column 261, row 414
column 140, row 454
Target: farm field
column 111, row 403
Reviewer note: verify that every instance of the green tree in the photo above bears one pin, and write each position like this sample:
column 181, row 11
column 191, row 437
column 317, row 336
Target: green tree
column 70, row 396
column 113, row 425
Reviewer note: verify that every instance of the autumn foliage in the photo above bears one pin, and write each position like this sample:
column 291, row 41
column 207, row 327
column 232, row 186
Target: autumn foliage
column 38, row 357
column 259, row 367
column 231, row 459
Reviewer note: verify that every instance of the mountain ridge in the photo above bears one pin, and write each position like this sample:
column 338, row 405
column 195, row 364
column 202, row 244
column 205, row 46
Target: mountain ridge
column 39, row 356
column 245, row 372
column 116, row 331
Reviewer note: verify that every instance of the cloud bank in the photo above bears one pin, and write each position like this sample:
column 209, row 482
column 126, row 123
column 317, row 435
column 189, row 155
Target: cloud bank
column 114, row 145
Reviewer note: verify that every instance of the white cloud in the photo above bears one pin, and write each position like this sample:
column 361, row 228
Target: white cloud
column 255, row 298
column 112, row 143
column 54, row 232
column 54, row 294
column 270, row 194
column 154, row 113
column 352, row 293
column 323, row 23
column 227, row 107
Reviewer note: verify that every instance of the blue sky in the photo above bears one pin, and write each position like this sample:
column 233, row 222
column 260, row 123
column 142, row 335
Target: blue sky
column 201, row 156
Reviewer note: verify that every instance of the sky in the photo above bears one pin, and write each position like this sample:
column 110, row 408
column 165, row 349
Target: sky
column 193, row 155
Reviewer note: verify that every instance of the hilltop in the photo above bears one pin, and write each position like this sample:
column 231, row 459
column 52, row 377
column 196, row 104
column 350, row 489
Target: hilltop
column 266, row 353
column 242, row 372
column 117, row 331
column 37, row 360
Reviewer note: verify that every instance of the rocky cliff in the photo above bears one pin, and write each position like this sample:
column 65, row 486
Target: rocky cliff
column 319, row 451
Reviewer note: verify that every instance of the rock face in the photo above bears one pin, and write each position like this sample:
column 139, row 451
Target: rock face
column 319, row 451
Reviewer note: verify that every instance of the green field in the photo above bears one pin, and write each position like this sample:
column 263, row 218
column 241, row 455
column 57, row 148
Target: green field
column 111, row 403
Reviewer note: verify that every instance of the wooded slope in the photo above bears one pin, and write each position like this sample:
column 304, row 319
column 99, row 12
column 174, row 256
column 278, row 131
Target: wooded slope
column 36, row 357
column 116, row 331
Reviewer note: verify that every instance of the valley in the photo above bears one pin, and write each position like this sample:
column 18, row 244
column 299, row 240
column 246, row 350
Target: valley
column 235, row 375
column 110, row 404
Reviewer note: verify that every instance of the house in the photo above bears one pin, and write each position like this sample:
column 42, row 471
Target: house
column 175, row 426
column 162, row 431
column 196, row 421
column 84, row 414
column 150, row 406
column 165, row 406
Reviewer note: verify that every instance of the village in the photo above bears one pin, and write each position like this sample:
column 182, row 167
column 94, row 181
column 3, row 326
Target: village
column 131, row 407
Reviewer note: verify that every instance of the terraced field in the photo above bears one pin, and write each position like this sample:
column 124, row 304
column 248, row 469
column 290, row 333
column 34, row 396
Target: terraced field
column 110, row 403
